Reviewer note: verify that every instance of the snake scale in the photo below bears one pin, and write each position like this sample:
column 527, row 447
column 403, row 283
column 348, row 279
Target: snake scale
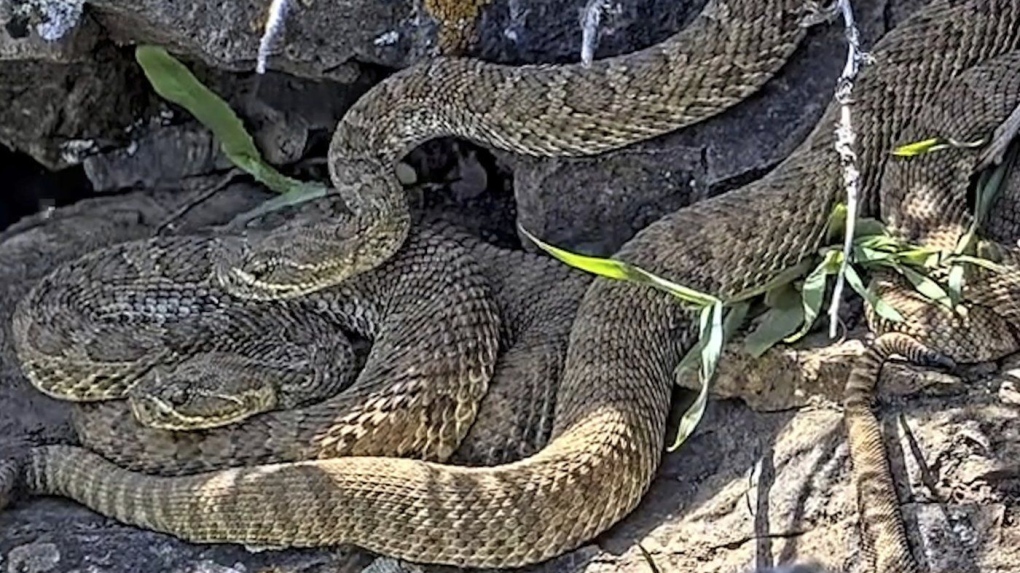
column 925, row 201
column 610, row 407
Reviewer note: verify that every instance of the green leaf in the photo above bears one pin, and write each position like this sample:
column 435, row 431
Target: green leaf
column 306, row 192
column 836, row 223
column 926, row 286
column 884, row 309
column 813, row 291
column 784, row 277
column 714, row 333
column 175, row 83
column 619, row 270
column 977, row 261
column 920, row 147
column 866, row 256
column 710, row 345
column 880, row 243
column 691, row 417
column 782, row 319
column 989, row 186
column 934, row 144
column 919, row 257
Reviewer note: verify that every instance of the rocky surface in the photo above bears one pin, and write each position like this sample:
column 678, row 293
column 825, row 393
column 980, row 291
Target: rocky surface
column 753, row 488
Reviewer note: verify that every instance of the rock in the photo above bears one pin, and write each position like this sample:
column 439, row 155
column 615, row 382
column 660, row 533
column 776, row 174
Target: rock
column 54, row 31
column 160, row 158
column 33, row 558
column 612, row 196
column 333, row 40
column 54, row 111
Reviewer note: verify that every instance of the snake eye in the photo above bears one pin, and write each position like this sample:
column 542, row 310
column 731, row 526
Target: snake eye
column 177, row 393
column 259, row 267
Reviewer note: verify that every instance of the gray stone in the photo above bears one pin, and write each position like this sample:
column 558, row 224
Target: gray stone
column 49, row 30
column 54, row 110
column 33, row 558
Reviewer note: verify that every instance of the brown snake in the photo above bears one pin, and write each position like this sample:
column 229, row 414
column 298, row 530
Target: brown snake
column 609, row 421
column 925, row 201
column 730, row 50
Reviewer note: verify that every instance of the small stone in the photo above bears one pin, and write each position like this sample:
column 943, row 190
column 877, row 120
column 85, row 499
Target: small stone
column 1008, row 391
column 33, row 558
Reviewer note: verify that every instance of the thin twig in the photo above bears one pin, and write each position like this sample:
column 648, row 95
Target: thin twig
column 1003, row 136
column 845, row 140
column 274, row 26
column 590, row 19
column 169, row 223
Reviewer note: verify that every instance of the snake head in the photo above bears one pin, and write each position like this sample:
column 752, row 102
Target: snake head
column 301, row 258
column 205, row 391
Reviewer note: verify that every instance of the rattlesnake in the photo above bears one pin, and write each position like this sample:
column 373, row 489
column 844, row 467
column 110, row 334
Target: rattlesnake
column 536, row 298
column 726, row 54
column 611, row 405
column 146, row 321
column 925, row 201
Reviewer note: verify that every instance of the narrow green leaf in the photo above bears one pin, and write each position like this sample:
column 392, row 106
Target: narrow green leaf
column 813, row 291
column 884, row 309
column 990, row 185
column 966, row 144
column 619, row 270
column 686, row 294
column 708, row 349
column 776, row 325
column 307, row 192
column 919, row 257
column 934, row 144
column 710, row 341
column 866, row 256
column 880, row 243
column 919, row 147
column 783, row 318
column 987, row 191
column 691, row 418
column 598, row 266
column 712, row 331
column 926, row 286
column 977, row 261
column 174, row 82
column 784, row 277
column 836, row 223
column 865, row 226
